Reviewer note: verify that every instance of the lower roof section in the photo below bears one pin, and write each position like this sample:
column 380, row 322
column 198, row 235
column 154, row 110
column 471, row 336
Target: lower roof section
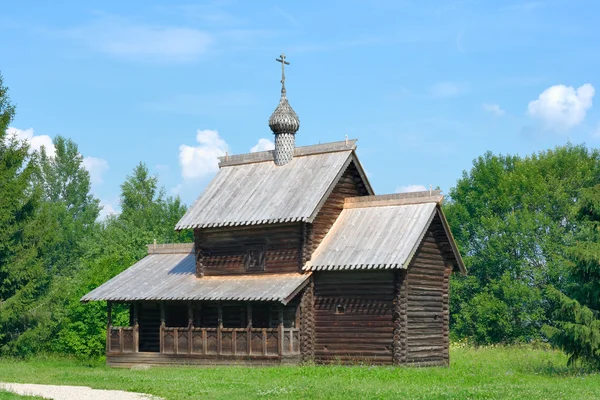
column 380, row 237
column 173, row 277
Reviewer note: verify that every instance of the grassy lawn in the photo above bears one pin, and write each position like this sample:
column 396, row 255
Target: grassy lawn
column 514, row 372
column 12, row 396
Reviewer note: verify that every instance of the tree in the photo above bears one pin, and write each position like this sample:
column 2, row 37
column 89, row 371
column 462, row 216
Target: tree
column 575, row 327
column 120, row 242
column 511, row 217
column 68, row 200
column 21, row 270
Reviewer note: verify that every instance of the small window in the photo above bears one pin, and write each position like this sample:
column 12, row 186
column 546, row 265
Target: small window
column 340, row 309
column 254, row 260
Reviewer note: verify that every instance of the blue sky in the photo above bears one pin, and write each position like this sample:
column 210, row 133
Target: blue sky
column 426, row 86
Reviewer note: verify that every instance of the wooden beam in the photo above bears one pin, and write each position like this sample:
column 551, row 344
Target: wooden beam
column 280, row 335
column 109, row 324
column 389, row 200
column 162, row 327
column 136, row 328
column 190, row 326
column 219, row 328
column 249, row 334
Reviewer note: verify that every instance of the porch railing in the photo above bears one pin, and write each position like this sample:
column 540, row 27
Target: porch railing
column 230, row 341
column 123, row 339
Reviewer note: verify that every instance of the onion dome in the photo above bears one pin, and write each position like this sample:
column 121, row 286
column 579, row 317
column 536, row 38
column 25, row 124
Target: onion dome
column 284, row 118
column 284, row 123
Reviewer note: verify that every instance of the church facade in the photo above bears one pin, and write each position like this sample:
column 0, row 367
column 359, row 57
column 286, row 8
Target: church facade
column 294, row 259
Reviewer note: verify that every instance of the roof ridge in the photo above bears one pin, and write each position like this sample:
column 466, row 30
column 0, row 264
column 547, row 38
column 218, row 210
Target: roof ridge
column 262, row 156
column 170, row 248
column 395, row 199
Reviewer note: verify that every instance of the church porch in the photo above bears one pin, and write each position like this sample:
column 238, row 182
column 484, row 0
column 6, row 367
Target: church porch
column 196, row 332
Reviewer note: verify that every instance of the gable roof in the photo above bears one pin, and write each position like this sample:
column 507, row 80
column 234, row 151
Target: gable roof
column 250, row 189
column 380, row 232
column 169, row 273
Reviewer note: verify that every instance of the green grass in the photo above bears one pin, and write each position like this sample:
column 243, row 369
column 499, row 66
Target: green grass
column 501, row 372
column 12, row 396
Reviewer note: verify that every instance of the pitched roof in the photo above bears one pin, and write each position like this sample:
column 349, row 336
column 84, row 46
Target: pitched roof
column 250, row 189
column 168, row 273
column 379, row 232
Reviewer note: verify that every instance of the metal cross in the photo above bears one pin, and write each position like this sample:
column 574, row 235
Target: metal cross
column 281, row 59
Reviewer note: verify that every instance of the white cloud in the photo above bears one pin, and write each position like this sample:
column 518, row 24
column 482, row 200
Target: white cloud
column 410, row 188
column 494, row 109
column 35, row 141
column 446, row 89
column 262, row 145
column 198, row 162
column 96, row 167
column 107, row 209
column 121, row 37
column 562, row 107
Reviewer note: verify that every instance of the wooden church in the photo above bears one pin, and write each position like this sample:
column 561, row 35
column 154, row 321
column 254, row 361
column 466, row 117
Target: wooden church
column 294, row 259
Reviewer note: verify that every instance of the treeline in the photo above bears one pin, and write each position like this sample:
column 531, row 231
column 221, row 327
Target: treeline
column 528, row 229
column 53, row 248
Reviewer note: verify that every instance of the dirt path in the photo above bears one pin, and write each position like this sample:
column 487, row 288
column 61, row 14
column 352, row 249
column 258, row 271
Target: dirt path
column 72, row 392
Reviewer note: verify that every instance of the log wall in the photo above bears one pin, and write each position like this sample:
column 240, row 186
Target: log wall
column 353, row 316
column 307, row 323
column 427, row 303
column 223, row 251
column 349, row 185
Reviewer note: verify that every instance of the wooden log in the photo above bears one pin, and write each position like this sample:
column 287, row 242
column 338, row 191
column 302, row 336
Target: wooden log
column 136, row 328
column 280, row 333
column 219, row 328
column 108, row 325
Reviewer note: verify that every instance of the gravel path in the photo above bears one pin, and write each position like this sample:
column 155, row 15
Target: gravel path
column 72, row 392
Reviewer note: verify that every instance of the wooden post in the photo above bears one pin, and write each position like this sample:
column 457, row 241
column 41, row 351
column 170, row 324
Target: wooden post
column 162, row 327
column 190, row 326
column 204, row 341
column 249, row 334
column 219, row 327
column 121, row 344
column 280, row 336
column 108, row 325
column 264, row 341
column 176, row 341
column 234, row 341
column 136, row 328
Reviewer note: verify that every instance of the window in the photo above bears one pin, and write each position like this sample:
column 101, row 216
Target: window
column 254, row 260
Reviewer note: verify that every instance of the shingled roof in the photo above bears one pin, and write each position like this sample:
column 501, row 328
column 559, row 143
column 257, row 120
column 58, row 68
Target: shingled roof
column 250, row 189
column 381, row 232
column 169, row 273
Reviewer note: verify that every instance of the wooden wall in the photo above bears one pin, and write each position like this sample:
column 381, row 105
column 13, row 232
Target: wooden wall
column 362, row 330
column 222, row 251
column 349, row 185
column 427, row 302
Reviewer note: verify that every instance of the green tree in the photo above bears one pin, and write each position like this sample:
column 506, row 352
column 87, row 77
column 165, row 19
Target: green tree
column 68, row 200
column 511, row 217
column 21, row 232
column 118, row 243
column 575, row 327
